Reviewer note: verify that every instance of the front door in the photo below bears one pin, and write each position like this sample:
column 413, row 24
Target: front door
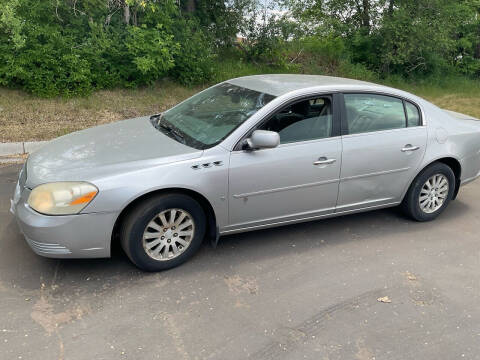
column 382, row 150
column 298, row 179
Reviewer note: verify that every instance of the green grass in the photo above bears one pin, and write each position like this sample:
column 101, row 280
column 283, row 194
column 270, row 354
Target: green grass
column 452, row 93
column 24, row 117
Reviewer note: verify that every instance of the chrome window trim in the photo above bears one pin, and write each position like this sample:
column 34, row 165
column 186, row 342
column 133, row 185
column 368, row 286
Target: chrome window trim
column 382, row 93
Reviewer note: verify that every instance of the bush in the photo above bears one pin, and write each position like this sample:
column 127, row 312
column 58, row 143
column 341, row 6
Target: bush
column 194, row 60
column 322, row 53
column 152, row 51
column 59, row 50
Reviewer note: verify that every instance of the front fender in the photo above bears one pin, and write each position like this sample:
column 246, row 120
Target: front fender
column 116, row 193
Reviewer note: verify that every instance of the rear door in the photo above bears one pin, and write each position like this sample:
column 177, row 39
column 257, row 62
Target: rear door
column 384, row 142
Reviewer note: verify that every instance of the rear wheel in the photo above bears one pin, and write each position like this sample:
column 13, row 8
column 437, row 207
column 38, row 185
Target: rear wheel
column 430, row 193
column 163, row 231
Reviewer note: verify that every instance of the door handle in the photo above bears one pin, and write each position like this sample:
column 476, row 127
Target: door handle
column 324, row 161
column 410, row 148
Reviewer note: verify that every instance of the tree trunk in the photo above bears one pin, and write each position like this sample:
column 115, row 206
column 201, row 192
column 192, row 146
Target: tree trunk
column 126, row 13
column 391, row 7
column 477, row 48
column 134, row 17
column 366, row 15
column 191, row 6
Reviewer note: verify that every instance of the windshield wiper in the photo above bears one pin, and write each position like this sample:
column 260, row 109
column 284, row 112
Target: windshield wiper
column 171, row 130
column 158, row 122
column 155, row 120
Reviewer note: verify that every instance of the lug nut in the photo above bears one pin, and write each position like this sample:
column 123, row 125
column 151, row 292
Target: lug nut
column 173, row 227
column 175, row 234
column 163, row 238
column 168, row 241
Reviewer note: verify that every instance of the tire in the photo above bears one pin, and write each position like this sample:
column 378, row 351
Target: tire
column 144, row 222
column 418, row 208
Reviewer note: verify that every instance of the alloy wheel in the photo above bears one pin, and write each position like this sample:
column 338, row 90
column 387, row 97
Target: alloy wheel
column 168, row 234
column 434, row 193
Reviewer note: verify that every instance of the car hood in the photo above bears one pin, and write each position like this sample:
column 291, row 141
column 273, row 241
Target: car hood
column 105, row 150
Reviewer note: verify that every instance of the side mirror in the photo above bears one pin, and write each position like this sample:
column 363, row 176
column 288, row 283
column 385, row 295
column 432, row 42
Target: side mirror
column 262, row 139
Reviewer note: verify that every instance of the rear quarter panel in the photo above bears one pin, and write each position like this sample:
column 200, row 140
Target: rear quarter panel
column 452, row 137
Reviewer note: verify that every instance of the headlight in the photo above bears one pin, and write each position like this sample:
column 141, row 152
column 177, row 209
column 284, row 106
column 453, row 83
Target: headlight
column 61, row 198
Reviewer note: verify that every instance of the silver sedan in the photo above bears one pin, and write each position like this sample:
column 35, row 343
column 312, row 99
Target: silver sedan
column 246, row 154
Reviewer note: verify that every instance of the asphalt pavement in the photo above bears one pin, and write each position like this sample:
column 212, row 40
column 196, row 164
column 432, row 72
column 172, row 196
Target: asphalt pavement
column 307, row 291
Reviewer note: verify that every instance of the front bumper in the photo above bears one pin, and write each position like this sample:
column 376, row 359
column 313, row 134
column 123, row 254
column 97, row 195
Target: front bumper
column 69, row 236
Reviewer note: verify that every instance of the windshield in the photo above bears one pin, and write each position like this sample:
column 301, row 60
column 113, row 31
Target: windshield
column 207, row 118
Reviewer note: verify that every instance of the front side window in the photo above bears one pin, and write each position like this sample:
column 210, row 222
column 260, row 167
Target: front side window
column 207, row 118
column 369, row 113
column 302, row 121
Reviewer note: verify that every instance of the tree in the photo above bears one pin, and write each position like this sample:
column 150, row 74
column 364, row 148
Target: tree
column 398, row 36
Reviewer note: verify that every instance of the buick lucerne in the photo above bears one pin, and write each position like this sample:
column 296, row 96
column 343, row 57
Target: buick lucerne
column 248, row 153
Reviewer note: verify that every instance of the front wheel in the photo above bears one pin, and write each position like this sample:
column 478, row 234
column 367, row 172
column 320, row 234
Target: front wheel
column 163, row 231
column 430, row 193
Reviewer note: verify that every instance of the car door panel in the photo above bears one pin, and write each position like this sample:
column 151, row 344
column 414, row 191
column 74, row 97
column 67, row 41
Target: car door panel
column 375, row 170
column 283, row 183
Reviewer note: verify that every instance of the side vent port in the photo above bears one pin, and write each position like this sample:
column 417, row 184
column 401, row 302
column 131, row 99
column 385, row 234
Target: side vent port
column 207, row 165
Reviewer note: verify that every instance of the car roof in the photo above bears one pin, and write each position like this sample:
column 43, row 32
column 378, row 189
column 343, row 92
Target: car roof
column 280, row 84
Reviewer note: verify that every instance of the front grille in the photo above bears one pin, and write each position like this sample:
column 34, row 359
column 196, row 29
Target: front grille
column 47, row 248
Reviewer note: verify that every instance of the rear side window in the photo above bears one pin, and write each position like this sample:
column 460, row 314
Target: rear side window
column 370, row 113
column 413, row 114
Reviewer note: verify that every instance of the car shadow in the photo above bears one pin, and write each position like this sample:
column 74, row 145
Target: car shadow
column 23, row 269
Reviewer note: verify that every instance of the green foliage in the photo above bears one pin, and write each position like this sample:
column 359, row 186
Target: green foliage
column 75, row 47
column 152, row 51
column 324, row 52
column 10, row 24
column 230, row 64
column 410, row 38
column 194, row 61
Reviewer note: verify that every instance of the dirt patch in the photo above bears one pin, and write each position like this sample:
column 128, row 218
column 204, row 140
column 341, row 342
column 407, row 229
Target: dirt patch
column 44, row 315
column 239, row 285
column 420, row 294
column 363, row 352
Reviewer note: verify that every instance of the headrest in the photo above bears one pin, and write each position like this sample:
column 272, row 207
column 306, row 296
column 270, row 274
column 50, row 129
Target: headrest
column 302, row 108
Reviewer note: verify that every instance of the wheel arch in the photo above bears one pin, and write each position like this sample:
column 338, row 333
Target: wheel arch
column 456, row 167
column 452, row 163
column 212, row 228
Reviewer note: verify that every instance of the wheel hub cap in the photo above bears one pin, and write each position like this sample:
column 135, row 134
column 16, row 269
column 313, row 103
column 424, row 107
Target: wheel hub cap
column 434, row 193
column 168, row 234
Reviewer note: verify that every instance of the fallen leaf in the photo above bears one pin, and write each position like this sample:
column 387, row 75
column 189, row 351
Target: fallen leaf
column 384, row 299
column 411, row 277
